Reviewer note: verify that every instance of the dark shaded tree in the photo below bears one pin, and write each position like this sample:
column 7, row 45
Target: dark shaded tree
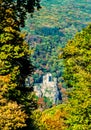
column 15, row 65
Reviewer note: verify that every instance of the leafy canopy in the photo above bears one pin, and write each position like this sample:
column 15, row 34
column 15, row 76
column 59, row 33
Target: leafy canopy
column 16, row 101
column 77, row 74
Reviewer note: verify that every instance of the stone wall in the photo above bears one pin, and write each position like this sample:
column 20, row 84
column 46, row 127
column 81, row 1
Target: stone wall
column 48, row 88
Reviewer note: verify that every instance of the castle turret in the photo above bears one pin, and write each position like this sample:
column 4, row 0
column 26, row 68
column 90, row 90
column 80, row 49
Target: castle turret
column 47, row 78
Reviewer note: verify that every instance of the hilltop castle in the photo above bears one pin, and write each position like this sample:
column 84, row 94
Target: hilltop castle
column 48, row 88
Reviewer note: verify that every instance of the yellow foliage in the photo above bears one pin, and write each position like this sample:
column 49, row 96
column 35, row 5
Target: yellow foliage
column 10, row 21
column 5, row 78
column 50, row 119
column 9, row 11
column 9, row 29
column 22, row 35
column 12, row 116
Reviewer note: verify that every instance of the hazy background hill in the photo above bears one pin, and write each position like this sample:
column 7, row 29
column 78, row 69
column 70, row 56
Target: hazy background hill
column 50, row 28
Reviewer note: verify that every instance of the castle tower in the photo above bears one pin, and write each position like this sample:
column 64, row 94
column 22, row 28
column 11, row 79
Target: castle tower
column 48, row 88
column 47, row 78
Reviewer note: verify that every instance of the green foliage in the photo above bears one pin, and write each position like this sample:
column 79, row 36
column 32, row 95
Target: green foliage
column 50, row 29
column 12, row 115
column 75, row 113
column 16, row 101
column 77, row 74
column 21, row 7
column 77, row 57
column 50, row 119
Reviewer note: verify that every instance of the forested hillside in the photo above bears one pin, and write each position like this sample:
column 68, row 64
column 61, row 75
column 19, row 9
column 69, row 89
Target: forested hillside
column 57, row 40
column 50, row 28
column 75, row 113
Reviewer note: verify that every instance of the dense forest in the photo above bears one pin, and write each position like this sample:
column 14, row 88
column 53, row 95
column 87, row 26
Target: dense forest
column 56, row 39
column 75, row 113
column 50, row 29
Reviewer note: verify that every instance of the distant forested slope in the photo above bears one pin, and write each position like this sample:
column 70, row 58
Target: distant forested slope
column 75, row 113
column 50, row 28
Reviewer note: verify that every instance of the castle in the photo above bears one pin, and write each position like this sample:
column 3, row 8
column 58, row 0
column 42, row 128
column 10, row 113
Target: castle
column 48, row 88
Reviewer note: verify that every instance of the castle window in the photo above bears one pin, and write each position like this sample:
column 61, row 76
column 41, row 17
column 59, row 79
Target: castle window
column 50, row 78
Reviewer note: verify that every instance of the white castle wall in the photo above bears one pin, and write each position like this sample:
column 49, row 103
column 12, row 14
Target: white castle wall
column 48, row 88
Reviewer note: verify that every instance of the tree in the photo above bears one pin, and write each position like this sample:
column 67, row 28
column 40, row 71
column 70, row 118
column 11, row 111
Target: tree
column 50, row 119
column 77, row 74
column 15, row 65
